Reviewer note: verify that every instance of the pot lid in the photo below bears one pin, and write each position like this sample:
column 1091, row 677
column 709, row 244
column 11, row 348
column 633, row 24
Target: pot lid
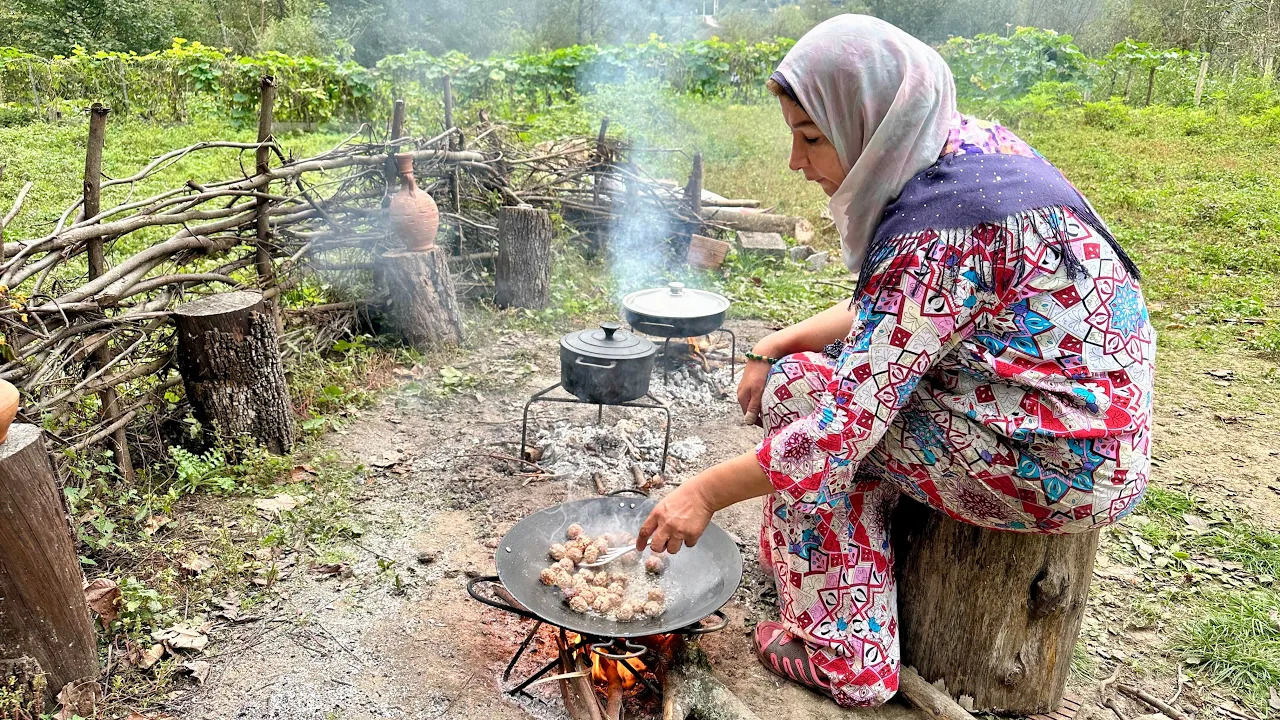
column 608, row 341
column 675, row 301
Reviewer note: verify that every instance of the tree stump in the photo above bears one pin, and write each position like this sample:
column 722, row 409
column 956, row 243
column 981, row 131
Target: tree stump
column 522, row 275
column 229, row 357
column 423, row 306
column 690, row 690
column 44, row 622
column 993, row 613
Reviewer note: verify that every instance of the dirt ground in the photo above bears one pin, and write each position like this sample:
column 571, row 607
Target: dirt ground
column 369, row 647
column 400, row 638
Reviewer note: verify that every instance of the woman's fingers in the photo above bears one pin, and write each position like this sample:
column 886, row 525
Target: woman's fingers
column 646, row 530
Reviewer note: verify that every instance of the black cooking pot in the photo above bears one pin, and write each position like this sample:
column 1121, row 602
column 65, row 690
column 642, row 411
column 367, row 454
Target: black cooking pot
column 607, row 366
column 674, row 311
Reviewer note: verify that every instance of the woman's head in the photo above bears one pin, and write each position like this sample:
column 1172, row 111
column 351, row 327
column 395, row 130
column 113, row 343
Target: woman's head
column 812, row 153
column 868, row 106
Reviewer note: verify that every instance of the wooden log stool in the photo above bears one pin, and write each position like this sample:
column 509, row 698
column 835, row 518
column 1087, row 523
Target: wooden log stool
column 229, row 357
column 993, row 613
column 45, row 629
column 422, row 303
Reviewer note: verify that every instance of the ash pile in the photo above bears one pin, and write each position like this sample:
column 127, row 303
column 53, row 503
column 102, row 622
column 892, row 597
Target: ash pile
column 577, row 452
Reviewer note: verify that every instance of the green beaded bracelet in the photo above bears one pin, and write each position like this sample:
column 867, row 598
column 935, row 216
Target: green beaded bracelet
column 762, row 358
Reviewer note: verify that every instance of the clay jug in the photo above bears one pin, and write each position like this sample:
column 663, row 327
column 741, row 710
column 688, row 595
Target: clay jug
column 8, row 407
column 414, row 216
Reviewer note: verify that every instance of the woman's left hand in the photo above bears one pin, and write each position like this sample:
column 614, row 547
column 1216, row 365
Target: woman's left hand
column 679, row 519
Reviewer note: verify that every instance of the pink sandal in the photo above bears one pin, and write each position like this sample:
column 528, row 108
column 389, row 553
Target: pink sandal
column 785, row 655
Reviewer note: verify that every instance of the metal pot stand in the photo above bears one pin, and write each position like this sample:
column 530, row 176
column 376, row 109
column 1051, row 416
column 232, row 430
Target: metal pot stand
column 541, row 396
column 665, row 331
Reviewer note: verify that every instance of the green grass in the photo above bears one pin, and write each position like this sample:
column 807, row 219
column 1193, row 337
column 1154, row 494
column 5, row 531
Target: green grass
column 1234, row 639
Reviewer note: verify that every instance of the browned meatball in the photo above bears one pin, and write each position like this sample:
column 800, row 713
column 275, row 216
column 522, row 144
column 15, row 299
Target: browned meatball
column 653, row 608
column 573, row 532
column 548, row 576
column 657, row 595
column 579, row 604
column 654, row 564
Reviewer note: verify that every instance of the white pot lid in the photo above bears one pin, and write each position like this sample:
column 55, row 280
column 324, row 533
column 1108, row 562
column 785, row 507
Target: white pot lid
column 675, row 301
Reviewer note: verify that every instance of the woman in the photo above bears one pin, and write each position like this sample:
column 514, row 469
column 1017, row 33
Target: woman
column 995, row 363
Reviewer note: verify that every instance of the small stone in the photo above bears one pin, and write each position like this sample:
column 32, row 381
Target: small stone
column 817, row 261
column 799, row 252
column 426, row 557
column 762, row 244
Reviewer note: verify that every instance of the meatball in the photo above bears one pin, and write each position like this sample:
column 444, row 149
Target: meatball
column 569, row 592
column 579, row 604
column 654, row 564
column 591, row 554
column 588, row 594
column 657, row 595
column 617, row 588
column 625, row 612
column 602, row 546
column 653, row 608
column 586, row 576
column 573, row 532
column 564, row 565
column 564, row 580
column 548, row 576
column 619, row 577
column 604, row 602
column 574, row 553
column 556, row 551
column 629, row 560
column 601, row 579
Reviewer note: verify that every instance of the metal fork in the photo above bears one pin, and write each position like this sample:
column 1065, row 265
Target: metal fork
column 609, row 556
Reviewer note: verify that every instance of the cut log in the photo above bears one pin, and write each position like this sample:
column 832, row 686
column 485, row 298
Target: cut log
column 995, row 614
column 229, row 357
column 522, row 276
column 752, row 221
column 423, row 304
column 43, row 615
column 689, row 689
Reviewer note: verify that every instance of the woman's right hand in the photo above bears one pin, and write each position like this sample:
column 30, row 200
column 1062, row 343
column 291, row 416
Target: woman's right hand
column 751, row 390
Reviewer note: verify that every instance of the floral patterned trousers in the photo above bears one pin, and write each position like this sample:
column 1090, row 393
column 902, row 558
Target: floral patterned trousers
column 831, row 559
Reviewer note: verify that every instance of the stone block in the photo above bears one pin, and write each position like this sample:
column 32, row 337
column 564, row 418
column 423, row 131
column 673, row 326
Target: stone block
column 765, row 244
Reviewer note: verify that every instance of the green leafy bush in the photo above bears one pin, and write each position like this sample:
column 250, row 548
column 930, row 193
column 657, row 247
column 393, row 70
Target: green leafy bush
column 992, row 67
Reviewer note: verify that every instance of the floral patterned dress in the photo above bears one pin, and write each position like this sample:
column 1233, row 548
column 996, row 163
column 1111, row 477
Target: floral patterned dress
column 985, row 381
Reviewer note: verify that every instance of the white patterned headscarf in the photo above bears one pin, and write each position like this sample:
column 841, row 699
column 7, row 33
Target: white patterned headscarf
column 884, row 99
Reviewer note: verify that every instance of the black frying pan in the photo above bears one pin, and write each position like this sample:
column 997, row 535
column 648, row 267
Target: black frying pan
column 698, row 581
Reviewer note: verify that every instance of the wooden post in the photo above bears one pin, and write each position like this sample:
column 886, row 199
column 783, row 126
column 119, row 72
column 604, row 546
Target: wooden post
column 423, row 304
column 689, row 689
column 993, row 613
column 599, row 162
column 97, row 266
column 262, row 263
column 229, row 357
column 522, row 274
column 1151, row 84
column 1128, row 84
column 693, row 195
column 43, row 615
column 1204, row 72
column 397, row 129
column 455, row 143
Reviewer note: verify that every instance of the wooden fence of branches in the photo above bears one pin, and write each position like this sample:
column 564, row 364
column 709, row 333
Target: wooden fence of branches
column 87, row 332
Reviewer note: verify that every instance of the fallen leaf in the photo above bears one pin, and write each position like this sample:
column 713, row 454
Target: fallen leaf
column 150, row 656
column 135, row 715
column 1195, row 522
column 181, row 637
column 196, row 564
column 283, row 502
column 103, row 596
column 79, row 697
column 199, row 670
column 342, row 570
column 301, row 473
column 1274, row 699
column 154, row 523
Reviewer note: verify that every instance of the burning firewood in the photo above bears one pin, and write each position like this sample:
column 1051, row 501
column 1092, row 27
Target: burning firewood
column 580, row 701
